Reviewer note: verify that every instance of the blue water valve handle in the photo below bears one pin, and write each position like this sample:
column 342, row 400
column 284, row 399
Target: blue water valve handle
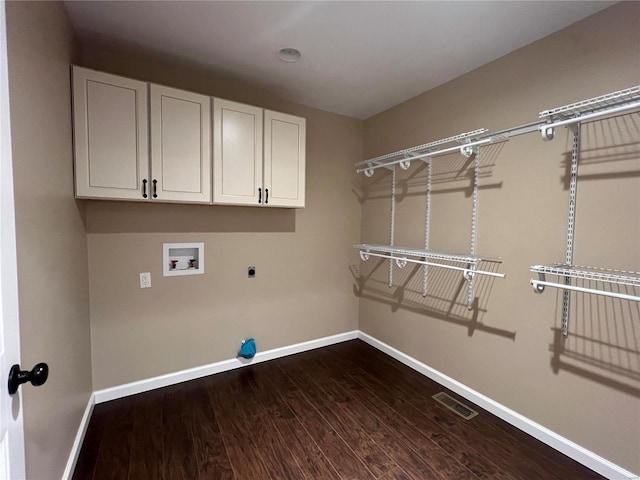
column 248, row 348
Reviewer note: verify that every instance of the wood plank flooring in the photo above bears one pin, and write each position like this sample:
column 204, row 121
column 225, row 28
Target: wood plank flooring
column 344, row 412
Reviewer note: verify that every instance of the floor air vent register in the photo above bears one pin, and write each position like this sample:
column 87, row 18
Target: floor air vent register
column 455, row 406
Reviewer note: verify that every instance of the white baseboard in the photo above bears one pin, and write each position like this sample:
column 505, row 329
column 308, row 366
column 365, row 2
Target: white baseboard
column 558, row 442
column 140, row 386
column 77, row 443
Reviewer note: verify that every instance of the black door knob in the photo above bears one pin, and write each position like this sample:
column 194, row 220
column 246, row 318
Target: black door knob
column 37, row 376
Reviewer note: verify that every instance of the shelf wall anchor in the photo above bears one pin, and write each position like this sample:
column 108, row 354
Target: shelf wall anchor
column 405, row 164
column 401, row 262
column 468, row 150
column 547, row 132
column 538, row 287
column 469, row 274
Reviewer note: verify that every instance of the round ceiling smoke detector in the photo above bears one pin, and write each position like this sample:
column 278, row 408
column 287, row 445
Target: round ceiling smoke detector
column 289, row 55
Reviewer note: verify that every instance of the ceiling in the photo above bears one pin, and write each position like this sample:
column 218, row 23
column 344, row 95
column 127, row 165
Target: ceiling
column 358, row 58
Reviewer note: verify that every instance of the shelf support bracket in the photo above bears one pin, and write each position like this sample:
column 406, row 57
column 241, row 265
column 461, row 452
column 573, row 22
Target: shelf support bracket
column 573, row 186
column 427, row 216
column 393, row 219
column 474, row 219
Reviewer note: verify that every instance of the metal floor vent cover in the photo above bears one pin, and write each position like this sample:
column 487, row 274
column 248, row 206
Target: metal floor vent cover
column 455, row 406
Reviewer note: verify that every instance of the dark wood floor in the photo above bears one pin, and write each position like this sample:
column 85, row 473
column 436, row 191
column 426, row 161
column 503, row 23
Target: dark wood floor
column 341, row 412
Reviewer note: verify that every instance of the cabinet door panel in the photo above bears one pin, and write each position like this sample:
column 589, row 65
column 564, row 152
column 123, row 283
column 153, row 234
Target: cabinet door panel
column 237, row 158
column 181, row 146
column 284, row 159
column 110, row 135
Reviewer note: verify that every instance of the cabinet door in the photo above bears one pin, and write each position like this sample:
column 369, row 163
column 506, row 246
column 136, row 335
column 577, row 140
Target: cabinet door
column 110, row 135
column 180, row 146
column 284, row 159
column 237, row 153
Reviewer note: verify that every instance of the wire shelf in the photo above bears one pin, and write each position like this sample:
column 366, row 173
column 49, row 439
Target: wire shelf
column 420, row 148
column 590, row 105
column 411, row 252
column 425, row 257
column 604, row 275
column 619, row 277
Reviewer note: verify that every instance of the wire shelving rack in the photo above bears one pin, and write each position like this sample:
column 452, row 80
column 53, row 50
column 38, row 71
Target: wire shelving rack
column 572, row 115
column 468, row 145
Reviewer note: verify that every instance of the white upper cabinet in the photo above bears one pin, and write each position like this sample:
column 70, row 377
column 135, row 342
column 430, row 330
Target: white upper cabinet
column 237, row 153
column 110, row 135
column 180, row 146
column 284, row 160
column 140, row 141
column 258, row 156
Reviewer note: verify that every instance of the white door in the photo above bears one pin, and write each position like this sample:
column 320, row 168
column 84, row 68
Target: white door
column 237, row 153
column 11, row 427
column 180, row 146
column 284, row 159
column 110, row 127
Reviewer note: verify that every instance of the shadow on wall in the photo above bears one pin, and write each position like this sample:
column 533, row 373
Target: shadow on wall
column 603, row 343
column 446, row 293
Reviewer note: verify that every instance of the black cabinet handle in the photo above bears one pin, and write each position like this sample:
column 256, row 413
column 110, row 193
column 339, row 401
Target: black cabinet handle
column 37, row 376
column 144, row 188
column 259, row 195
column 155, row 188
column 266, row 196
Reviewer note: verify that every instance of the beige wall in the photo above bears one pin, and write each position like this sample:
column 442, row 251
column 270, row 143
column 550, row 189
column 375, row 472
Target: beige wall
column 51, row 239
column 505, row 349
column 302, row 290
